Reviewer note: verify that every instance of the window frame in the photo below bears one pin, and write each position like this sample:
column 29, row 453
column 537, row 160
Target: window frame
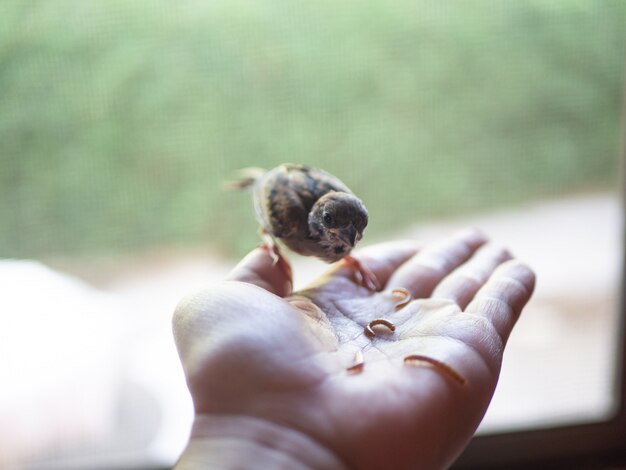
column 595, row 443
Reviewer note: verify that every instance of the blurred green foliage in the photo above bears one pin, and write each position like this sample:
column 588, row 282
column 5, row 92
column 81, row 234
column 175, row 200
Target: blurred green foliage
column 120, row 120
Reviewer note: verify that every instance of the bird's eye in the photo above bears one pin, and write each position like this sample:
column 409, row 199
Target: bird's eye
column 328, row 218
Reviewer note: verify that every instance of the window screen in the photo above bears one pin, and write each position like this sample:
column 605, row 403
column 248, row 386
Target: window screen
column 119, row 122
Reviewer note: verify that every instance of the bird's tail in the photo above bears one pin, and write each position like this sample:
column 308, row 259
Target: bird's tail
column 247, row 177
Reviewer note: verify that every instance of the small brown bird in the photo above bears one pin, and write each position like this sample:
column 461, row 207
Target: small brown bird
column 309, row 211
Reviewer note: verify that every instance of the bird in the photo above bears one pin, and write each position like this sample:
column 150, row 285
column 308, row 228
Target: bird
column 309, row 211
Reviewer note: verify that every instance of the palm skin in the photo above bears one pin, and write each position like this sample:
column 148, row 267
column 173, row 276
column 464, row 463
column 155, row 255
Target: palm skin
column 266, row 367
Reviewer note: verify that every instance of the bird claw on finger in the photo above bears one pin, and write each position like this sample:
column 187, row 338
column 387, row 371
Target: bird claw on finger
column 362, row 274
column 270, row 244
column 275, row 255
column 277, row 258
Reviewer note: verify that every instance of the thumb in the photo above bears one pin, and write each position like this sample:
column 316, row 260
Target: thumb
column 260, row 269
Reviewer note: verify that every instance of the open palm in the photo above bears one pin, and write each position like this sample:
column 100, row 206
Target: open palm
column 259, row 356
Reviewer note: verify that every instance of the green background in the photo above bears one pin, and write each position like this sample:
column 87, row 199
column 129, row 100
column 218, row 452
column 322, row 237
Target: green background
column 120, row 120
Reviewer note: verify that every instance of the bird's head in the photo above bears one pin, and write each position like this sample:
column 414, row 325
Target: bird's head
column 338, row 220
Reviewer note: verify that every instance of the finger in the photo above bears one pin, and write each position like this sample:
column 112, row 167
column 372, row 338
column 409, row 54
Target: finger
column 424, row 271
column 382, row 259
column 259, row 268
column 502, row 298
column 461, row 285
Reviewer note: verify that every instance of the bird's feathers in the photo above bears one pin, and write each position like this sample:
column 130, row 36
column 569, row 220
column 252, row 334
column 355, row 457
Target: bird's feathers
column 284, row 198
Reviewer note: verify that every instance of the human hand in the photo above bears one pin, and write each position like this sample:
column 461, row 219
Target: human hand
column 267, row 367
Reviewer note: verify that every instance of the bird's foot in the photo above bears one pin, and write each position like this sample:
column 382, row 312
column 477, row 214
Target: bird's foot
column 277, row 258
column 362, row 273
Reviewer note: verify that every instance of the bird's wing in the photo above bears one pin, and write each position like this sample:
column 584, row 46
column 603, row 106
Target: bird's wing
column 314, row 181
column 279, row 205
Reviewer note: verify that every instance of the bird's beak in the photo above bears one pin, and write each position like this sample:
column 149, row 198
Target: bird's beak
column 350, row 235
